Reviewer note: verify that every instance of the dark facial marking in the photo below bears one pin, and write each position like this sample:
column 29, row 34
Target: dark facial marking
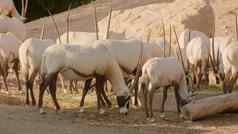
column 122, row 100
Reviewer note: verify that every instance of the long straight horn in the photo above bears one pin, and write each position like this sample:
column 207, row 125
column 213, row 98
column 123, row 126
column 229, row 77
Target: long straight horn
column 213, row 48
column 148, row 36
column 139, row 66
column 236, row 26
column 189, row 35
column 109, row 23
column 180, row 52
column 212, row 58
column 42, row 31
column 55, row 24
column 170, row 39
column 22, row 7
column 164, row 39
column 96, row 22
column 26, row 6
column 218, row 55
column 68, row 21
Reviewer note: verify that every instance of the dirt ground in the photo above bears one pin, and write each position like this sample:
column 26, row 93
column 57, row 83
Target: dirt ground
column 17, row 118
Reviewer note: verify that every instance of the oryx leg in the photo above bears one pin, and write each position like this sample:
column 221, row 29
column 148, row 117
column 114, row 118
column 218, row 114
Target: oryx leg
column 165, row 94
column 177, row 97
column 16, row 70
column 4, row 73
column 1, row 70
column 46, row 80
column 194, row 73
column 26, row 86
column 85, row 91
column 62, row 83
column 205, row 72
column 199, row 75
column 44, row 84
column 30, row 84
column 151, row 96
column 100, row 80
column 136, row 94
column 70, row 87
column 75, row 86
column 104, row 96
column 145, row 94
column 52, row 88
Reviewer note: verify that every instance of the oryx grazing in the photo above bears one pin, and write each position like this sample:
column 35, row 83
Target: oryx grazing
column 185, row 37
column 127, row 53
column 197, row 52
column 218, row 45
column 80, row 62
column 194, row 48
column 162, row 72
column 9, row 45
column 229, row 75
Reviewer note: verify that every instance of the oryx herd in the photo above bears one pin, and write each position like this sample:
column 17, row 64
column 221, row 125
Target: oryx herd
column 85, row 56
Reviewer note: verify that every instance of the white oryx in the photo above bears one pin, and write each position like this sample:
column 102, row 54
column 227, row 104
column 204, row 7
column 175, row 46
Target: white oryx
column 193, row 50
column 185, row 37
column 9, row 45
column 81, row 62
column 162, row 72
column 217, row 50
column 30, row 55
column 127, row 54
column 7, row 8
column 197, row 52
column 220, row 43
column 14, row 26
column 230, row 63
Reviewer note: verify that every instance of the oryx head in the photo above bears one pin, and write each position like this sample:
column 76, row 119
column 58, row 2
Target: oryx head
column 229, row 81
column 123, row 103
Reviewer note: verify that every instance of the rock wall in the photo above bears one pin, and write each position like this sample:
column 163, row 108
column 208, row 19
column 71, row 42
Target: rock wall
column 137, row 21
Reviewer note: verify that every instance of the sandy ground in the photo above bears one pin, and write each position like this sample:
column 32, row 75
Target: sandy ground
column 17, row 118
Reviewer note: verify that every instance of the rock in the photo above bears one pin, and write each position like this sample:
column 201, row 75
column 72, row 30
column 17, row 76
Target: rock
column 137, row 21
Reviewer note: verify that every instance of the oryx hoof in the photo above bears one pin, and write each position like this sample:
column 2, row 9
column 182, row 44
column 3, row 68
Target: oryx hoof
column 42, row 111
column 152, row 119
column 162, row 115
column 102, row 111
column 181, row 116
column 81, row 109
